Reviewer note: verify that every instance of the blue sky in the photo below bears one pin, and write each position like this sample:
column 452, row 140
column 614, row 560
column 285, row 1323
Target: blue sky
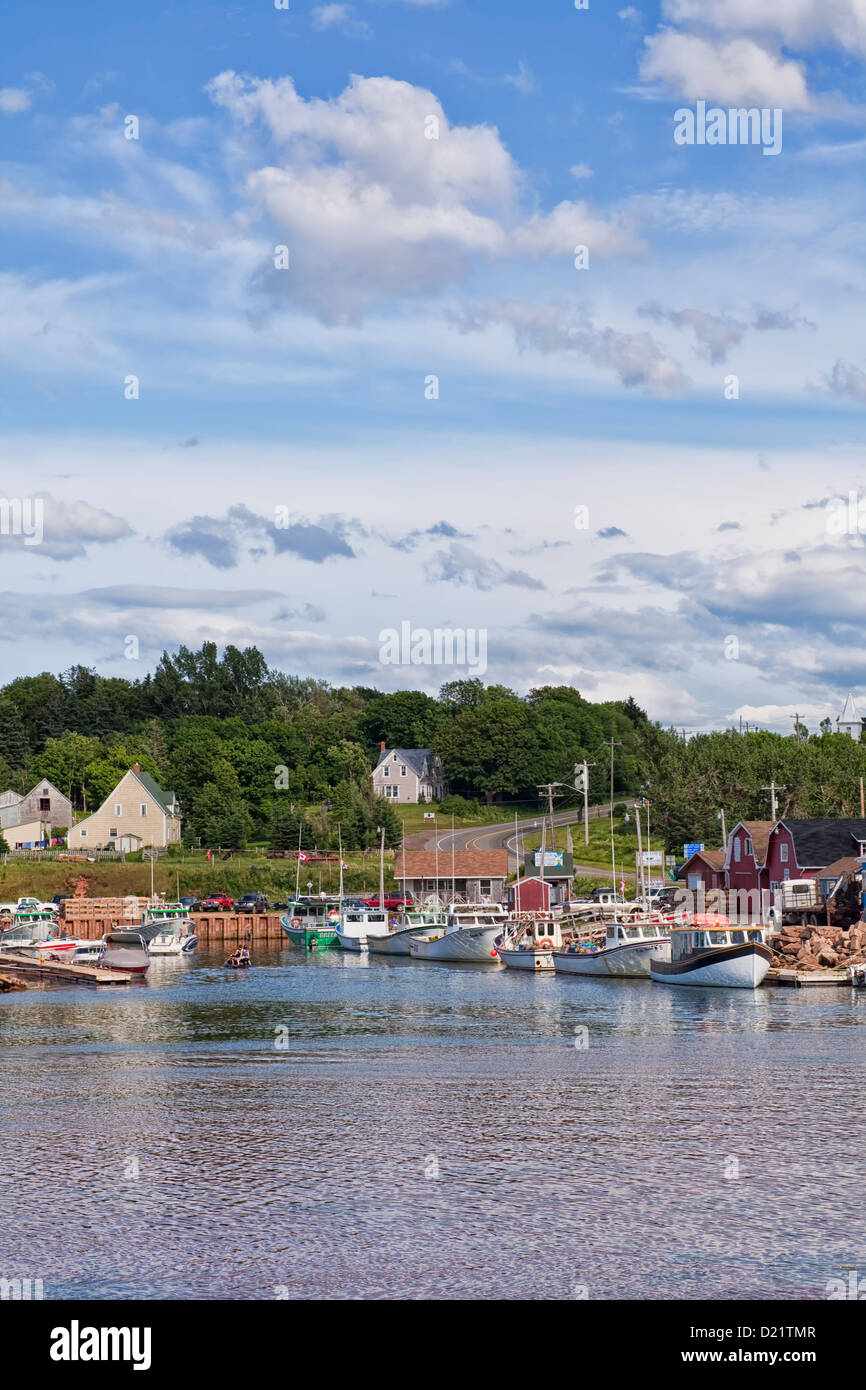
column 707, row 581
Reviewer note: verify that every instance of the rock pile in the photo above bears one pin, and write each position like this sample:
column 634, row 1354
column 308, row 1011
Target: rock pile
column 818, row 948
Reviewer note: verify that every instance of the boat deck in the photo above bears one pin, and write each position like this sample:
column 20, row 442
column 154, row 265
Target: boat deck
column 61, row 970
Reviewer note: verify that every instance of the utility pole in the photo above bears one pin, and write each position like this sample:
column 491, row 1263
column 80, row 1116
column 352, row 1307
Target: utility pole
column 546, row 789
column 724, row 831
column 796, row 719
column 773, row 789
column 581, row 783
column 381, row 866
column 614, row 743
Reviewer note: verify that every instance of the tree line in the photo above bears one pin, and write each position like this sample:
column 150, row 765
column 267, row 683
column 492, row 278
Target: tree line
column 253, row 753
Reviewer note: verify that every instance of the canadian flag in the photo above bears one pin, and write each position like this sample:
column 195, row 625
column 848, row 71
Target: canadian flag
column 302, row 857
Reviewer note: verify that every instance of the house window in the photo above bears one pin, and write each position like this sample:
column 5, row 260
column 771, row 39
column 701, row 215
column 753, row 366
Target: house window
column 485, row 887
column 45, row 803
column 749, row 848
column 402, row 769
column 143, row 808
column 118, row 810
column 737, row 850
column 113, row 833
column 787, row 873
column 783, row 853
column 83, row 834
column 386, row 772
column 774, row 884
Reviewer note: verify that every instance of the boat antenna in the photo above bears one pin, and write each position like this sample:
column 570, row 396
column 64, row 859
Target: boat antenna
column 517, row 859
column 340, row 847
column 614, row 743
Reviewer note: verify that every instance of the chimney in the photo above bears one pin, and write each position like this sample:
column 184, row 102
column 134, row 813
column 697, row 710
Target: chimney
column 382, row 746
column 136, row 767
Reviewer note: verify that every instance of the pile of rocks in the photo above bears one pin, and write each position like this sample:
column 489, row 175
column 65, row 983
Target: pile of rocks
column 818, row 948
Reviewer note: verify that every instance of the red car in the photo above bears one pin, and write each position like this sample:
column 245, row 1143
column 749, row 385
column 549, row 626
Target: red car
column 391, row 902
column 218, row 902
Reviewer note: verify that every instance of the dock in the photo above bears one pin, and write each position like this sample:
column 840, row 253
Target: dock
column 799, row 978
column 61, row 970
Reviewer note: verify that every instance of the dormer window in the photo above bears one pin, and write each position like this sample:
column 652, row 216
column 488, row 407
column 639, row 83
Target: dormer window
column 749, row 848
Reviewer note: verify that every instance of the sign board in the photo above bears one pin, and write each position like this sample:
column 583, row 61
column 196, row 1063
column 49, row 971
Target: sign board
column 429, row 815
column 689, row 850
column 552, row 859
column 652, row 859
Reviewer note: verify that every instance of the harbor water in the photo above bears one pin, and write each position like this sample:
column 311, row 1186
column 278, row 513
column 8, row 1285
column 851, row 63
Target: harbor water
column 341, row 1126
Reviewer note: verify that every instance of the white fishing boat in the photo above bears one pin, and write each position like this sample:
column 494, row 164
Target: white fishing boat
column 472, row 932
column 36, row 931
column 358, row 925
column 531, row 940
column 712, row 952
column 414, row 922
column 174, row 940
column 627, row 950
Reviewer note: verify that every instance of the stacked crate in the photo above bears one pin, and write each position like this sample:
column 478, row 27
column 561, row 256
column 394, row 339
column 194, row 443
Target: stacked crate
column 91, row 917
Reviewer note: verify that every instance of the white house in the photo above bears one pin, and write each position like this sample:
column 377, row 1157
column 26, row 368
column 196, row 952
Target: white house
column 409, row 775
column 849, row 721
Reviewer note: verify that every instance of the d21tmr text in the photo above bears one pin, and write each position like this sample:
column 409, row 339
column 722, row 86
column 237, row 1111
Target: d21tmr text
column 719, row 1334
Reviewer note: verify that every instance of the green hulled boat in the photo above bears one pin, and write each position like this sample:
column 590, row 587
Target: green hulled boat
column 312, row 925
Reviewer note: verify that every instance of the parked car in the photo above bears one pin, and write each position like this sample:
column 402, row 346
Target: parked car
column 252, row 902
column 218, row 902
column 192, row 904
column 392, row 902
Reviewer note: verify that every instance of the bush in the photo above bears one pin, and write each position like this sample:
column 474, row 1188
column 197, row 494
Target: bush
column 459, row 806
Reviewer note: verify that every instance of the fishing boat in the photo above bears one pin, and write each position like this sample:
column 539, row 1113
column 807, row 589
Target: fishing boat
column 35, row 931
column 712, row 952
column 472, row 931
column 626, row 950
column 358, row 925
column 531, row 940
column 414, row 922
column 173, row 941
column 157, row 919
column 311, row 925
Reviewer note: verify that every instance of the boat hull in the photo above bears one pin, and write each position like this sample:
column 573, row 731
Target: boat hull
column 728, row 967
column 347, row 942
column 633, row 960
column 176, row 946
column 536, row 961
column 322, row 938
column 475, row 944
column 396, row 943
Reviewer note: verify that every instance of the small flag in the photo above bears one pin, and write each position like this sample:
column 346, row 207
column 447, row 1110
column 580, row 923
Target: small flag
column 343, row 864
column 622, row 887
column 302, row 857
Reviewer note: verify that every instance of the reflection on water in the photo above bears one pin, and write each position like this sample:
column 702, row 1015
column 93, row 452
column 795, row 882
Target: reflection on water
column 349, row 1127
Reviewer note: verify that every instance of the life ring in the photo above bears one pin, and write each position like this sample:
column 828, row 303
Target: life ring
column 296, row 922
column 546, row 942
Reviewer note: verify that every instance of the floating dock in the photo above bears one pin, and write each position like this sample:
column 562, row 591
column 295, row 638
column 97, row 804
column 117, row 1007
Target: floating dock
column 62, row 971
column 798, row 978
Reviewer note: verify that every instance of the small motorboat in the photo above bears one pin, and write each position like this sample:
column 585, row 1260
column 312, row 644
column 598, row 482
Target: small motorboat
column 132, row 960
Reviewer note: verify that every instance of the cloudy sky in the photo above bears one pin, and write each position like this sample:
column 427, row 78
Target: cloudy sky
column 298, row 344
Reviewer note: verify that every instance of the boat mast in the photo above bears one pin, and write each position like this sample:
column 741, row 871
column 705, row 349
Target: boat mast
column 340, row 845
column 382, row 867
column 453, row 888
column 614, row 743
column 517, row 860
column 298, row 865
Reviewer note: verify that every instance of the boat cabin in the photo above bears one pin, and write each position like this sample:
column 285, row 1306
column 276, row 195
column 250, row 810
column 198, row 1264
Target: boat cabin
column 540, row 931
column 423, row 917
column 475, row 915
column 365, row 917
column 690, row 941
column 621, row 933
column 313, row 914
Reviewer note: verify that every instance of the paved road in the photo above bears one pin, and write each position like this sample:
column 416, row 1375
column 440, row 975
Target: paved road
column 501, row 836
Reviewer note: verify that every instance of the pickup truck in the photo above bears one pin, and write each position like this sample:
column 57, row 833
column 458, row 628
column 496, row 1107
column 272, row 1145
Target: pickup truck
column 803, row 902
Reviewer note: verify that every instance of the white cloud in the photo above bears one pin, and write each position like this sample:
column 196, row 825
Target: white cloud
column 797, row 23
column 14, row 100
column 734, row 70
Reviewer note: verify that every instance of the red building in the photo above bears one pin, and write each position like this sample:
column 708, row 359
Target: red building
column 532, row 895
column 706, row 867
column 761, row 854
column 746, row 855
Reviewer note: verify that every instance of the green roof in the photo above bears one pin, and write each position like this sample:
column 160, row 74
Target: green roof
column 165, row 799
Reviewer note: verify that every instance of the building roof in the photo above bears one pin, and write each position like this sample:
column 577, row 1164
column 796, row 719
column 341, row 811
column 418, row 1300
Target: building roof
column 166, row 799
column 10, row 798
column 471, row 863
column 415, row 757
column 849, row 864
column 46, row 782
column 849, row 714
column 817, row 842
column 759, row 834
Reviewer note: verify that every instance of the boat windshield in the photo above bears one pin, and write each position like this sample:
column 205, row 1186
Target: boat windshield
column 649, row 931
column 718, row 938
column 756, row 936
